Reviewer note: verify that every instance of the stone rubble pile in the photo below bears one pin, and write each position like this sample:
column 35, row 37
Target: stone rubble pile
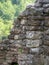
column 28, row 42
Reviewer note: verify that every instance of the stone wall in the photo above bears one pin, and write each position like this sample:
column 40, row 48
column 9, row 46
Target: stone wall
column 28, row 42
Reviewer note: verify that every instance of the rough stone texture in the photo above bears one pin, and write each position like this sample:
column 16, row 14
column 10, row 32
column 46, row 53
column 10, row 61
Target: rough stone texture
column 28, row 42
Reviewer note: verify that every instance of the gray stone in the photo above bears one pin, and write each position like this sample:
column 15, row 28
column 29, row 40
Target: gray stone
column 47, row 21
column 46, row 6
column 34, row 50
column 28, row 42
column 33, row 43
column 43, row 1
column 20, row 36
column 46, row 42
column 33, row 28
column 47, row 31
column 46, row 60
column 46, row 50
column 33, row 34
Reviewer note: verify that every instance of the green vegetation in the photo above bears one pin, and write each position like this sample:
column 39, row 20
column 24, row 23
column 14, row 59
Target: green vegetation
column 20, row 50
column 8, row 10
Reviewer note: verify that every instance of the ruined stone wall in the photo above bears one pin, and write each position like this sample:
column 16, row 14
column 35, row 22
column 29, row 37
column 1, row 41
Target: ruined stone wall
column 28, row 42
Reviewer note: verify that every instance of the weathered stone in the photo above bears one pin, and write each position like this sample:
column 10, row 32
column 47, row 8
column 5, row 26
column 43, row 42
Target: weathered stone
column 46, row 32
column 28, row 42
column 46, row 42
column 39, row 17
column 33, row 34
column 18, row 43
column 46, row 29
column 23, row 50
column 25, row 56
column 30, row 22
column 16, row 31
column 33, row 43
column 46, row 37
column 46, row 6
column 33, row 28
column 20, row 36
column 38, row 11
column 23, row 22
column 21, row 62
column 47, row 23
column 46, row 11
column 43, row 1
column 46, row 60
column 34, row 50
column 46, row 50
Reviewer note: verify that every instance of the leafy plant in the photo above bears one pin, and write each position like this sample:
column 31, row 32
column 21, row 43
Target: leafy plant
column 9, row 9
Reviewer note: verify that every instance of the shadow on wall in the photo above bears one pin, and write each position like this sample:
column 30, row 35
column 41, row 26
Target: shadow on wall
column 14, row 63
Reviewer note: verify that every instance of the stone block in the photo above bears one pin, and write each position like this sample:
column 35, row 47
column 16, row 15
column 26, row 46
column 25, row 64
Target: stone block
column 28, row 42
column 46, row 11
column 20, row 36
column 34, row 50
column 30, row 22
column 39, row 17
column 11, row 36
column 46, row 42
column 47, row 21
column 38, row 11
column 32, row 28
column 46, row 60
column 33, row 35
column 23, row 22
column 38, row 60
column 46, row 37
column 46, row 50
column 18, row 43
column 21, row 62
column 46, row 32
column 43, row 1
column 46, row 29
column 46, row 6
column 33, row 43
column 33, row 22
column 16, row 30
column 23, row 50
column 25, row 57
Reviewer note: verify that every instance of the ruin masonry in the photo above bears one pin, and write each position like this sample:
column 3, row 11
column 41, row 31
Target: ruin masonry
column 28, row 42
